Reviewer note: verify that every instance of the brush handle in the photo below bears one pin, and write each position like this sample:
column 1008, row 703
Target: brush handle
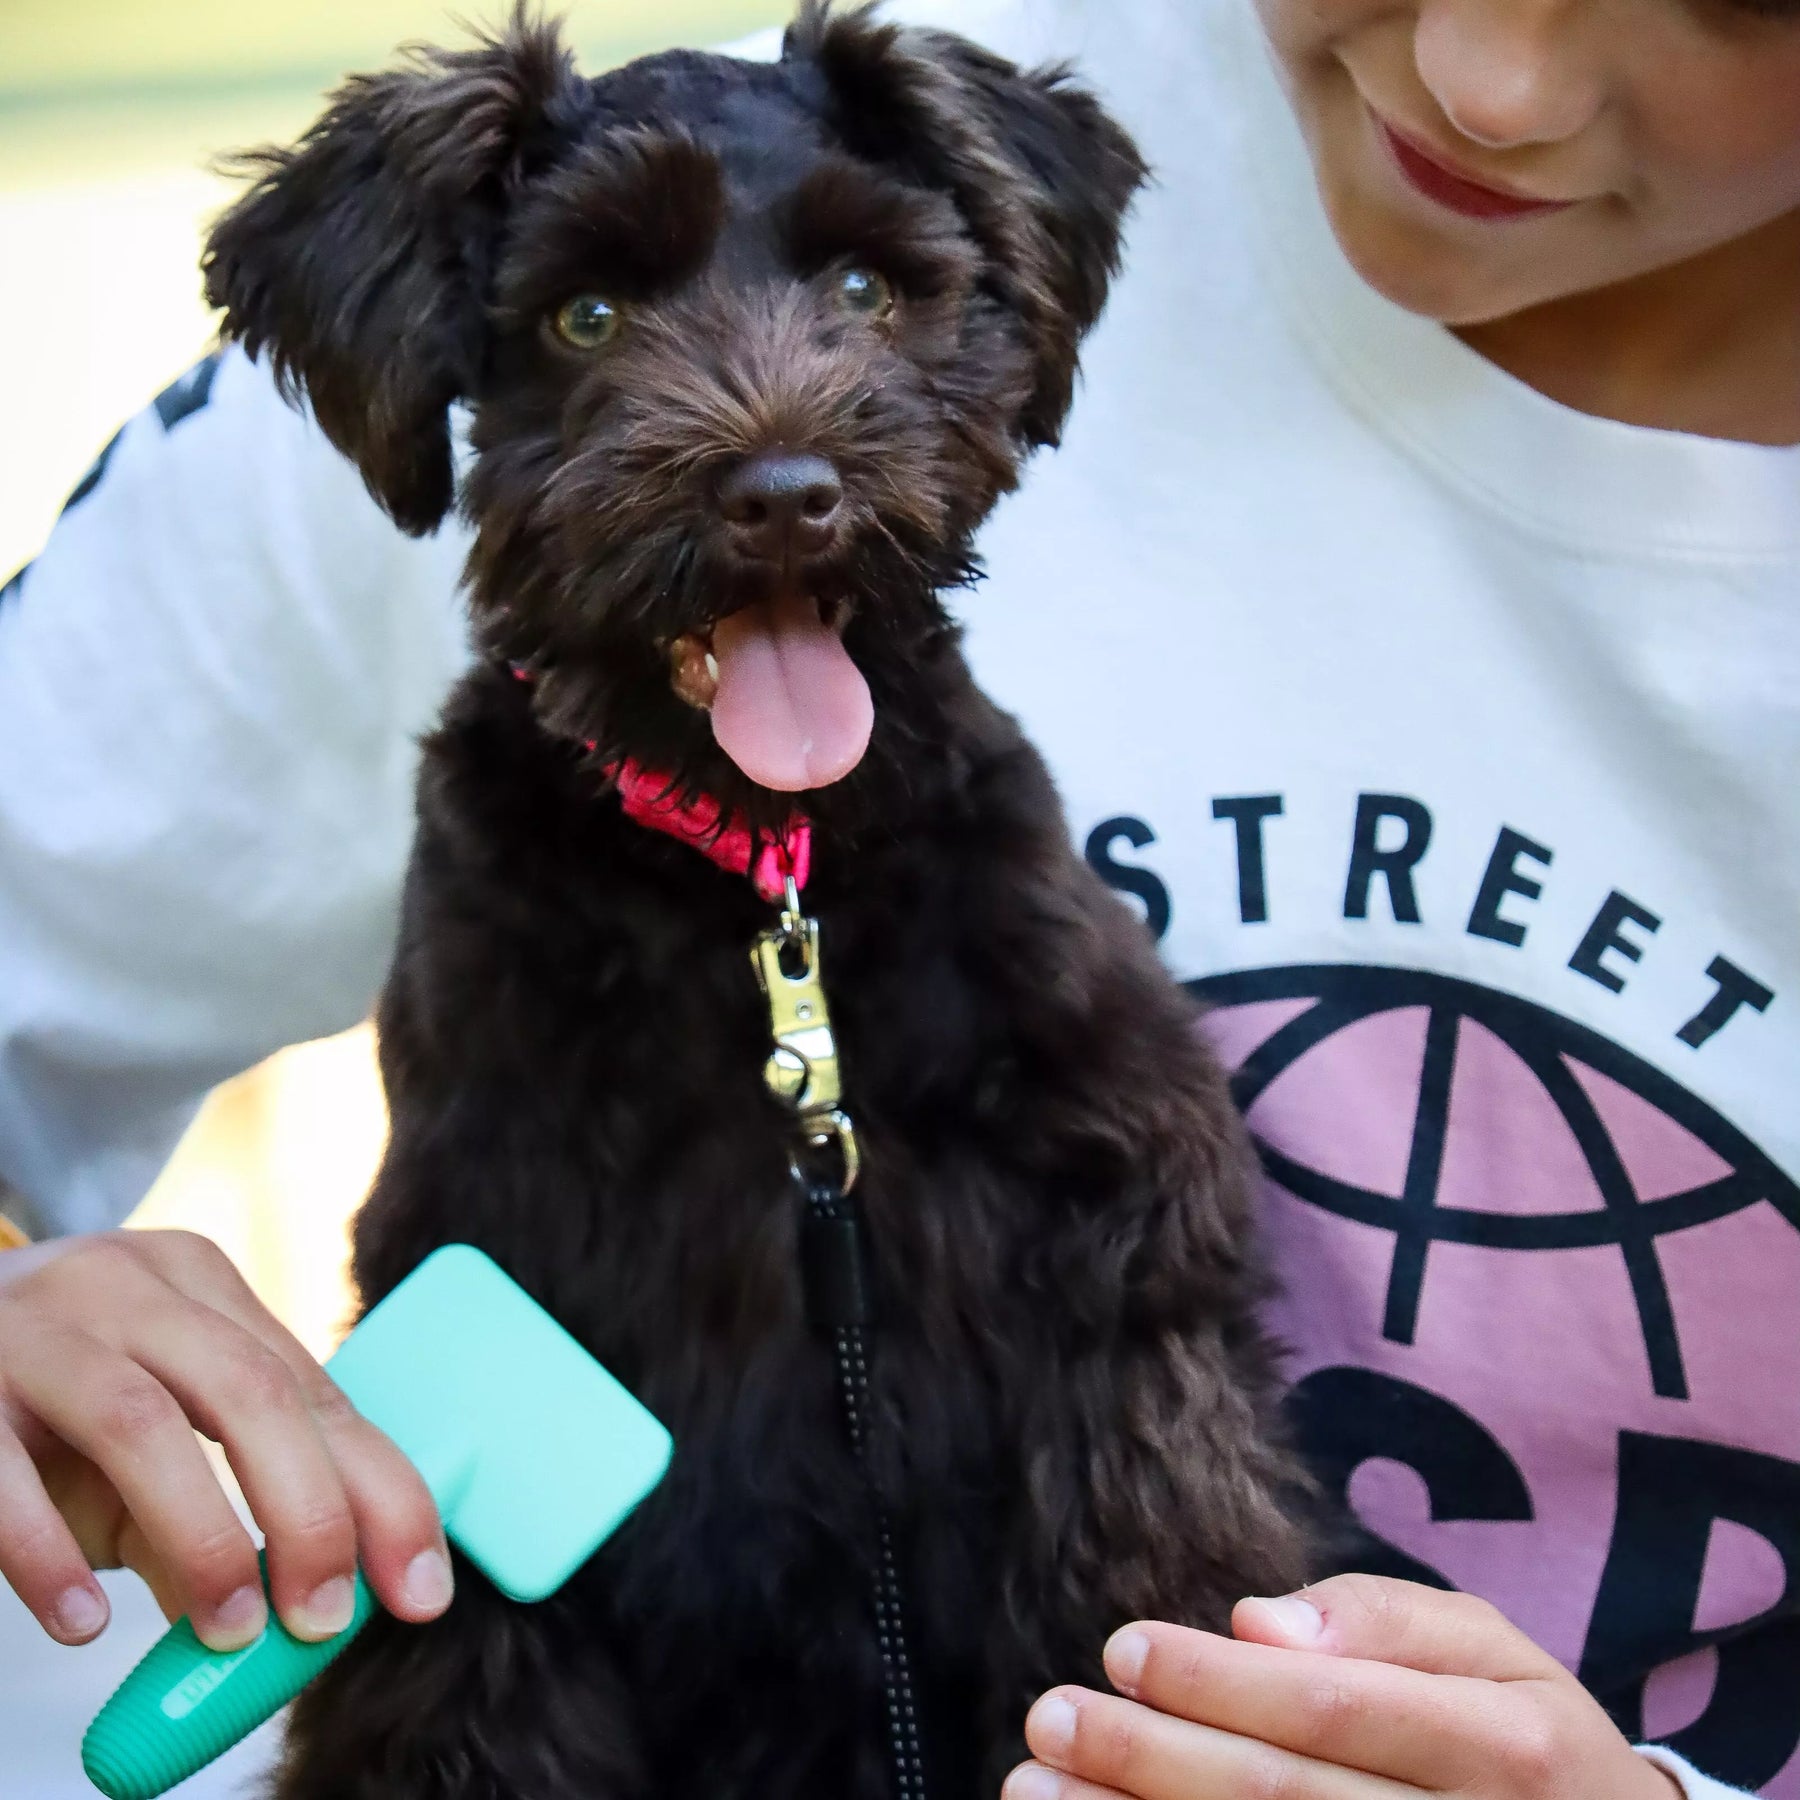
column 184, row 1704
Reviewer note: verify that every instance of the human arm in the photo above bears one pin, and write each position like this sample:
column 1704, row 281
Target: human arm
column 1361, row 1688
column 211, row 683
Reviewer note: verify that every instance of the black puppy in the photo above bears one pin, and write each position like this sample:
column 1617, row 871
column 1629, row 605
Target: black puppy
column 750, row 351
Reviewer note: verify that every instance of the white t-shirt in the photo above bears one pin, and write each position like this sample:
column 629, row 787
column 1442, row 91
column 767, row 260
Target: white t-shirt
column 1447, row 736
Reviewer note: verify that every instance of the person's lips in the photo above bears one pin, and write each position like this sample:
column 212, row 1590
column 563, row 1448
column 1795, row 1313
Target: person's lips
column 1449, row 187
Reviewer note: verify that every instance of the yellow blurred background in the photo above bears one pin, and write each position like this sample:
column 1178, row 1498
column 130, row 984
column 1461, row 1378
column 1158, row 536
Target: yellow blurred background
column 109, row 113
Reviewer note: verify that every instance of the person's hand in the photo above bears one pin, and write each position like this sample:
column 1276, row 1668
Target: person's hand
column 114, row 1349
column 1360, row 1688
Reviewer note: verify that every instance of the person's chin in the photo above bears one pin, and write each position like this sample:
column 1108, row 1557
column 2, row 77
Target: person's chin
column 1417, row 269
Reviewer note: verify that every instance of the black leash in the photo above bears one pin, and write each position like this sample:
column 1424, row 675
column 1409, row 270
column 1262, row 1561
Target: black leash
column 802, row 1070
column 834, row 1277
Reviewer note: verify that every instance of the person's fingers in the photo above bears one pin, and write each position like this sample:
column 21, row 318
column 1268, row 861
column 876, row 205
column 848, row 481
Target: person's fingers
column 106, row 1533
column 404, row 1552
column 1116, row 1743
column 1365, row 1715
column 239, row 1393
column 1403, row 1622
column 39, row 1556
column 126, row 1422
column 139, row 1555
column 327, row 1487
column 399, row 1538
column 1038, row 1781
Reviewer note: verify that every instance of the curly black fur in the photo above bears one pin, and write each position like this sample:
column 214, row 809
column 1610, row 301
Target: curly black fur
column 1073, row 1401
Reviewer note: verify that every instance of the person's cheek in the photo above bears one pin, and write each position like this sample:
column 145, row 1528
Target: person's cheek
column 1706, row 104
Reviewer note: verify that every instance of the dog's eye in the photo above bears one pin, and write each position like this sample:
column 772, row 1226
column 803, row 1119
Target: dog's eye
column 587, row 322
column 865, row 293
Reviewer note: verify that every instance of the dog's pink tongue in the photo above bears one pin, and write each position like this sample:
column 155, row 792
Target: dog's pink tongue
column 792, row 710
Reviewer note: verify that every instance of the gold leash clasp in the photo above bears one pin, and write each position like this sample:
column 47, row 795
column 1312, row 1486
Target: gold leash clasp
column 803, row 1067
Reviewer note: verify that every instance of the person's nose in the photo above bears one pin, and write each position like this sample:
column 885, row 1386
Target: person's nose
column 1510, row 73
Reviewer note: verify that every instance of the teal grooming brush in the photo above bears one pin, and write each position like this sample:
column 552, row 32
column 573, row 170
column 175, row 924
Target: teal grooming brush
column 534, row 1454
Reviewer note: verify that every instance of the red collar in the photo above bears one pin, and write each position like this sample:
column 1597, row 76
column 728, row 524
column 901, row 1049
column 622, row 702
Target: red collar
column 770, row 862
column 730, row 842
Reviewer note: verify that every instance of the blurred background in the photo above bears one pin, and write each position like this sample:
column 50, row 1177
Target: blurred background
column 109, row 113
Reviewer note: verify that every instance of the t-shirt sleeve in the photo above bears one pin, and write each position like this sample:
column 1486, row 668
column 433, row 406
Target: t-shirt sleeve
column 212, row 684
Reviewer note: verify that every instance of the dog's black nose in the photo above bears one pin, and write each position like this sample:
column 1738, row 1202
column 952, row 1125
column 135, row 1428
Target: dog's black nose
column 782, row 503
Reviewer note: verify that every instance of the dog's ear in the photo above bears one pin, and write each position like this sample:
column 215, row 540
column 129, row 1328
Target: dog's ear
column 360, row 259
column 1040, row 171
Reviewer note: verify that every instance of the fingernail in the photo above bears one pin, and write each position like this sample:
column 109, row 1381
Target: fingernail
column 327, row 1609
column 80, row 1612
column 1052, row 1726
column 1298, row 1619
column 1125, row 1654
column 239, row 1619
column 1030, row 1782
column 428, row 1585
